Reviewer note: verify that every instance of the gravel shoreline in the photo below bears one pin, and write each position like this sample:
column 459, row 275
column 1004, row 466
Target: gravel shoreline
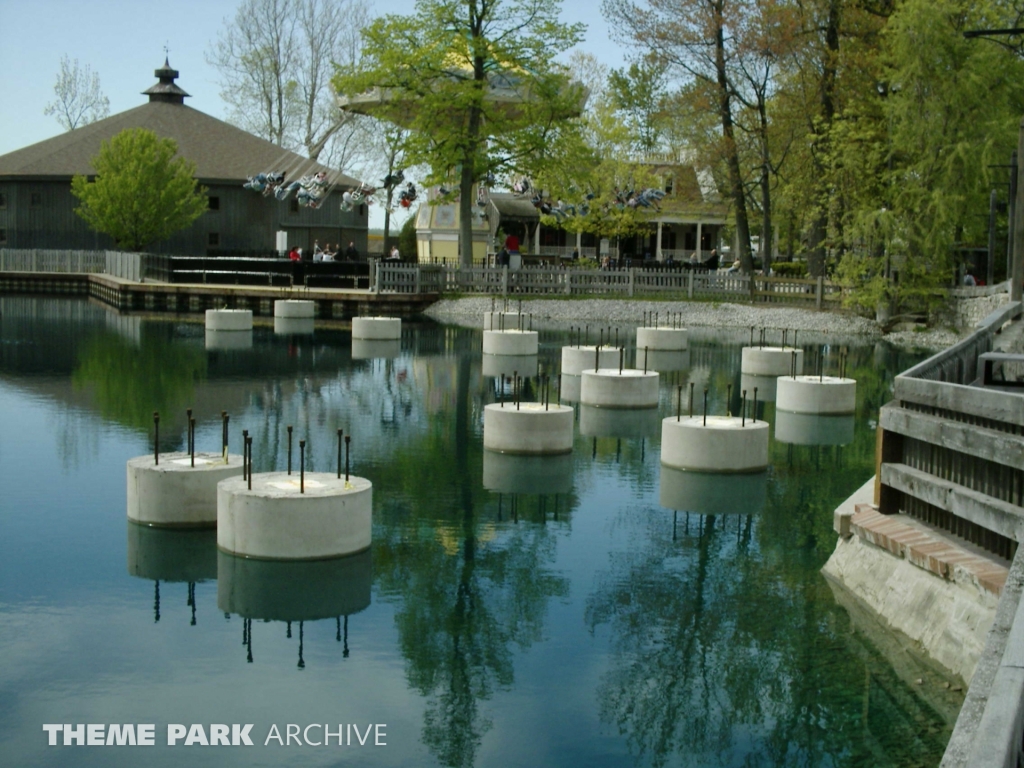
column 548, row 313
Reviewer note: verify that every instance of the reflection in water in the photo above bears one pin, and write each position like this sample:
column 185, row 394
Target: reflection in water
column 293, row 326
column 707, row 639
column 713, row 493
column 813, row 428
column 129, row 382
column 469, row 591
column 163, row 554
column 766, row 387
column 662, row 360
column 375, row 349
column 497, row 366
column 289, row 591
column 633, row 423
column 228, row 341
column 544, row 475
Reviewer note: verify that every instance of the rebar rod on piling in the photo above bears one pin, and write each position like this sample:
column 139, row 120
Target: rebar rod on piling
column 192, row 440
column 156, row 438
column 705, row 406
column 792, row 365
column 728, row 400
column 691, row 399
column 679, row 402
column 753, row 416
column 302, row 466
column 501, row 392
column 188, row 430
column 339, row 453
column 743, row 417
column 622, row 357
column 249, row 452
column 224, row 435
column 245, row 447
column 348, row 442
column 645, row 361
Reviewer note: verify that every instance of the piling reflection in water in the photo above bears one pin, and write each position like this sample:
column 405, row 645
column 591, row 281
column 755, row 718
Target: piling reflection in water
column 766, row 386
column 375, row 349
column 713, row 493
column 813, row 429
column 508, row 365
column 543, row 475
column 614, row 422
column 277, row 590
column 569, row 388
column 662, row 360
column 293, row 326
column 172, row 556
column 294, row 592
column 228, row 340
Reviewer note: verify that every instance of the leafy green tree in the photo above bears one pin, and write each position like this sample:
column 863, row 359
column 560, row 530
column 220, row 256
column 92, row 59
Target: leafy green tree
column 477, row 84
column 407, row 239
column 638, row 94
column 141, row 193
column 949, row 112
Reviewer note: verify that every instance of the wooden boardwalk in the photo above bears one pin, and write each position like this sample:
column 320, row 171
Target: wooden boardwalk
column 130, row 295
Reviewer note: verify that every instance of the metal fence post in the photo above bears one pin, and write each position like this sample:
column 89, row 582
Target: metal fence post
column 416, row 281
column 632, row 280
column 689, row 284
column 504, row 281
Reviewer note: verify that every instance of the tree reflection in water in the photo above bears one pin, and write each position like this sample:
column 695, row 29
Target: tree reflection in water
column 728, row 649
column 471, row 590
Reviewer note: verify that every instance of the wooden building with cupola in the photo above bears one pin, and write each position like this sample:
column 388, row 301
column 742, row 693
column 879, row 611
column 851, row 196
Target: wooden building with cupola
column 37, row 209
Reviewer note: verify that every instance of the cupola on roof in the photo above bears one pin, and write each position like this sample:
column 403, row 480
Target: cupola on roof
column 166, row 90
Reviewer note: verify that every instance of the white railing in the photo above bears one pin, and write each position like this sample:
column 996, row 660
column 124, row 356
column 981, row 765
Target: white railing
column 558, row 280
column 55, row 261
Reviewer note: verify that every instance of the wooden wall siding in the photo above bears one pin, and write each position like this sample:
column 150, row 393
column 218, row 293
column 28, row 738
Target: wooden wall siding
column 245, row 221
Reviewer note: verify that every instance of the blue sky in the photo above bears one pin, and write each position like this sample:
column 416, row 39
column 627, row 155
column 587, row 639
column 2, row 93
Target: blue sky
column 123, row 40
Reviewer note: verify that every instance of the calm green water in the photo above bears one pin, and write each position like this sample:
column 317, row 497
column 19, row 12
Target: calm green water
column 580, row 624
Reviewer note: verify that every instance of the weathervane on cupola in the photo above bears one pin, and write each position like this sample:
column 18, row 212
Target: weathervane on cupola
column 166, row 90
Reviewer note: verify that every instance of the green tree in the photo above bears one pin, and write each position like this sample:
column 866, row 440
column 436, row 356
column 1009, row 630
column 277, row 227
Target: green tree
column 476, row 82
column 407, row 239
column 949, row 111
column 141, row 193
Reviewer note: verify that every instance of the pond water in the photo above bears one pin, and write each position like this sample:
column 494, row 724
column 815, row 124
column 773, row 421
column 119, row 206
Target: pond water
column 579, row 623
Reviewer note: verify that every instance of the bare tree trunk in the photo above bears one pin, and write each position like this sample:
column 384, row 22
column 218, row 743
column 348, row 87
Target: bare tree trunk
column 736, row 190
column 819, row 224
column 466, row 215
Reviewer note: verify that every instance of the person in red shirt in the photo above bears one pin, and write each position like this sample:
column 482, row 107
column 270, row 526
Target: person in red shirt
column 512, row 244
column 293, row 254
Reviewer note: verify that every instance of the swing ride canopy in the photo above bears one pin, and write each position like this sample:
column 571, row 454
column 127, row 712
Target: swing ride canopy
column 508, row 90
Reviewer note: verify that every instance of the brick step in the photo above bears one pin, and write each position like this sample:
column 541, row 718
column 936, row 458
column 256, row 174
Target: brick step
column 923, row 546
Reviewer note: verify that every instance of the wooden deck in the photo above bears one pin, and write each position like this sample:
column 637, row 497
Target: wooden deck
column 128, row 295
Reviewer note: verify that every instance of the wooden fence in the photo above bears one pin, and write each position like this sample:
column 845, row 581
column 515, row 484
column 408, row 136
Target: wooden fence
column 951, row 453
column 554, row 281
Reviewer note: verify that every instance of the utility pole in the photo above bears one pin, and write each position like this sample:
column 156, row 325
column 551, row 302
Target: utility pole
column 1017, row 273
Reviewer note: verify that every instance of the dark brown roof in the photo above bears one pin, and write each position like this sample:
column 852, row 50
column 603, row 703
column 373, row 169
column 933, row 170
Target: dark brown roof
column 220, row 151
